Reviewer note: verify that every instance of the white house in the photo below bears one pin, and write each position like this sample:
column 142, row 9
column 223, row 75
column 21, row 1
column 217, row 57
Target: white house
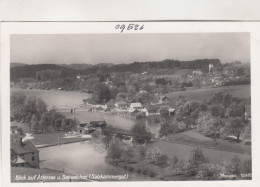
column 151, row 110
column 136, row 106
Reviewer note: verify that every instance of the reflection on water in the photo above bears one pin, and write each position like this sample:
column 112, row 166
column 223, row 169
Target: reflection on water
column 75, row 98
column 81, row 158
column 55, row 97
column 76, row 158
column 114, row 120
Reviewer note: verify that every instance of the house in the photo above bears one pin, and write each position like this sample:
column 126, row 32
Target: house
column 122, row 105
column 85, row 128
column 197, row 72
column 97, row 124
column 164, row 99
column 24, row 154
column 134, row 113
column 169, row 109
column 136, row 106
column 247, row 112
column 151, row 110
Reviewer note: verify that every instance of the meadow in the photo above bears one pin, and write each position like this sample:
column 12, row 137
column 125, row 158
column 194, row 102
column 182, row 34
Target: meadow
column 241, row 91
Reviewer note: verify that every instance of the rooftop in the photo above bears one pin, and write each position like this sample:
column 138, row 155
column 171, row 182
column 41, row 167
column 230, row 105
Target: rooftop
column 152, row 107
column 121, row 102
column 163, row 97
column 136, row 105
column 25, row 147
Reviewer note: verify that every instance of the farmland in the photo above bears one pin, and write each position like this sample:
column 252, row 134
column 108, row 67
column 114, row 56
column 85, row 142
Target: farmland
column 182, row 151
column 241, row 91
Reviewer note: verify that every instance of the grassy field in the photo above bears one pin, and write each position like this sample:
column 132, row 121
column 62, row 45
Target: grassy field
column 182, row 151
column 193, row 138
column 241, row 91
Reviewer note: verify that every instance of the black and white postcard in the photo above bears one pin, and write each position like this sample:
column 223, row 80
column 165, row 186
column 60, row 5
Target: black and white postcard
column 129, row 101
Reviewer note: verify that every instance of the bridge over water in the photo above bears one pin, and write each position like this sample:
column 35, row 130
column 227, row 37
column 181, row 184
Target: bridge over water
column 119, row 131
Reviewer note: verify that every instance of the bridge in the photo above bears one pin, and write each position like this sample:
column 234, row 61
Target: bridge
column 119, row 131
column 68, row 107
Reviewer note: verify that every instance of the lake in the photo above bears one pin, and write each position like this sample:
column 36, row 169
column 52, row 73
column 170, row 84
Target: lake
column 56, row 98
column 81, row 158
column 72, row 99
column 111, row 119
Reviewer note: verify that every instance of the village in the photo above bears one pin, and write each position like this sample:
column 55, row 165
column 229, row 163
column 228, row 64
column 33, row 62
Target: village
column 26, row 154
column 139, row 113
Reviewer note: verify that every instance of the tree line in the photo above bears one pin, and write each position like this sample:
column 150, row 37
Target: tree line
column 31, row 70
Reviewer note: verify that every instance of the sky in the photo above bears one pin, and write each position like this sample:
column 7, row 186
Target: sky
column 128, row 48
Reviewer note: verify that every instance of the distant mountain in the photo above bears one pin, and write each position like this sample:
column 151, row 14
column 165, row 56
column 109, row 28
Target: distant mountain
column 16, row 64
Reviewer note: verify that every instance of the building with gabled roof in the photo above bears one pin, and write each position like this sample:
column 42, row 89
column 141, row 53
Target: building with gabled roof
column 136, row 106
column 25, row 154
column 151, row 110
column 164, row 99
column 121, row 104
column 98, row 124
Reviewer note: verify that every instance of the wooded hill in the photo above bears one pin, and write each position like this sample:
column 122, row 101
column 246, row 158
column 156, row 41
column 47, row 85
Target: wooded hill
column 29, row 71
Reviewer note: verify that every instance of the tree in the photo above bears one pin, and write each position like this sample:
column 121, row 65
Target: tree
column 107, row 140
column 162, row 161
column 13, row 157
column 235, row 110
column 232, row 167
column 164, row 112
column 246, row 166
column 44, row 121
column 208, row 171
column 247, row 132
column 142, row 152
column 100, row 75
column 20, row 130
column 197, row 83
column 168, row 129
column 127, row 154
column 58, row 124
column 68, row 124
column 235, row 127
column 204, row 122
column 140, row 133
column 103, row 94
column 216, row 127
column 114, row 151
column 114, row 91
column 196, row 161
column 34, row 124
column 217, row 111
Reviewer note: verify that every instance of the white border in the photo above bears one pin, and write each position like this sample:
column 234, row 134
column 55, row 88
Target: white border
column 128, row 10
column 151, row 27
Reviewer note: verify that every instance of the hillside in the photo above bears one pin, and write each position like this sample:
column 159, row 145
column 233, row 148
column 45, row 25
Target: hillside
column 137, row 67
